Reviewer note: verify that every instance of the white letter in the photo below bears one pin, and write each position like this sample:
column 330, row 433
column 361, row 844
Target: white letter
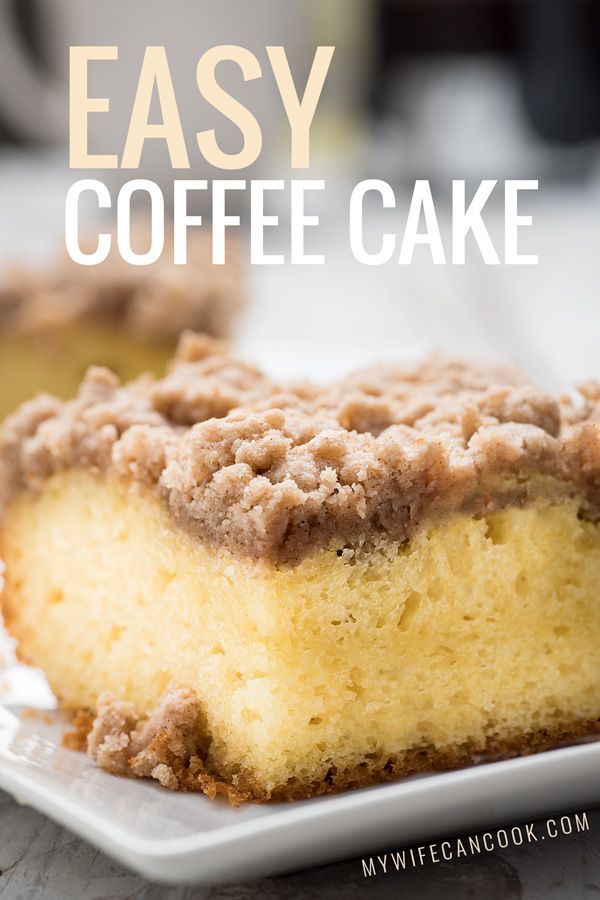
column 181, row 219
column 157, row 215
column 300, row 114
column 258, row 222
column 300, row 221
column 370, row 869
column 356, row 222
column 219, row 219
column 72, row 222
column 465, row 220
column 422, row 200
column 512, row 221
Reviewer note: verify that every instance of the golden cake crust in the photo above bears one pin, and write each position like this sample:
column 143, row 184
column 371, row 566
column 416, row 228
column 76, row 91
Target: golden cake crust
column 273, row 470
column 168, row 747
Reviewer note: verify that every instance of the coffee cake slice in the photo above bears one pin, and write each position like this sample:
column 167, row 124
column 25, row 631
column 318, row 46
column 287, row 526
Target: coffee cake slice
column 280, row 590
column 57, row 321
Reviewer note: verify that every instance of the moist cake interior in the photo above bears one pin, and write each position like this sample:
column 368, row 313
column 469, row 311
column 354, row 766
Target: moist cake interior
column 476, row 632
column 333, row 586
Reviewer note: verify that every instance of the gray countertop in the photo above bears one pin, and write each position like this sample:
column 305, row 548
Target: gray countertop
column 39, row 859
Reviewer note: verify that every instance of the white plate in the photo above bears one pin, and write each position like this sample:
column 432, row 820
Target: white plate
column 181, row 838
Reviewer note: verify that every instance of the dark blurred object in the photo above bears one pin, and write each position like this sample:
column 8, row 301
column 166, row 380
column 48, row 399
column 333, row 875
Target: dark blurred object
column 561, row 68
column 553, row 46
column 22, row 12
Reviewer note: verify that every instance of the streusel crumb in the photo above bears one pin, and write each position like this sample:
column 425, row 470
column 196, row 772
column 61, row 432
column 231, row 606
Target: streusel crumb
column 273, row 469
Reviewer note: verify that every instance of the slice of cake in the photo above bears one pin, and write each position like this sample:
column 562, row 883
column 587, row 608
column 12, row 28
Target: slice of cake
column 280, row 590
column 56, row 323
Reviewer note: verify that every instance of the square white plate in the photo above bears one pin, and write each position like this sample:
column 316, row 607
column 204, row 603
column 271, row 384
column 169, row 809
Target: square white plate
column 181, row 838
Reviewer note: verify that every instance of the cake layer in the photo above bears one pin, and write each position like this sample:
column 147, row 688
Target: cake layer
column 54, row 323
column 56, row 359
column 348, row 666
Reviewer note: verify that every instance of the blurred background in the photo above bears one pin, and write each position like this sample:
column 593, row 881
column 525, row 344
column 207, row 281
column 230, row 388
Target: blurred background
column 433, row 89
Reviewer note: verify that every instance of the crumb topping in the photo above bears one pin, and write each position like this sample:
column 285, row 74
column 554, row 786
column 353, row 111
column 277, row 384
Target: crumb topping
column 273, row 470
column 166, row 746
column 156, row 302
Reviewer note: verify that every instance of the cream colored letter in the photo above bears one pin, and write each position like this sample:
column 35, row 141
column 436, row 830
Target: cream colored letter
column 300, row 113
column 231, row 108
column 80, row 105
column 155, row 71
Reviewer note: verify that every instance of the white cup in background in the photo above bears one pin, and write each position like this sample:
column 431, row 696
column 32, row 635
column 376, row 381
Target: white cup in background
column 34, row 97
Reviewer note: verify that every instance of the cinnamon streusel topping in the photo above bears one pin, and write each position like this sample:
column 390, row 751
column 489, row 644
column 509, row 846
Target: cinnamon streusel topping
column 155, row 302
column 274, row 470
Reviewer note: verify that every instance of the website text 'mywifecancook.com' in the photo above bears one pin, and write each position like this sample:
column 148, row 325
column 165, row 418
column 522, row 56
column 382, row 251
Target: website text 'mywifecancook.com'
column 474, row 845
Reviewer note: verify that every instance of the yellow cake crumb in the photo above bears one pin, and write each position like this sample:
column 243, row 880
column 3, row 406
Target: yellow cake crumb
column 478, row 629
